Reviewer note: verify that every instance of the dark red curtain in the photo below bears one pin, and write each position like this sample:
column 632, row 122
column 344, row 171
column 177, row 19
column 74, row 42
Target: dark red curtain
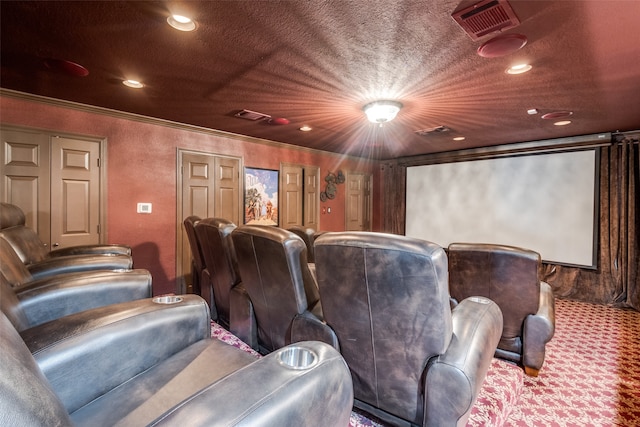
column 615, row 281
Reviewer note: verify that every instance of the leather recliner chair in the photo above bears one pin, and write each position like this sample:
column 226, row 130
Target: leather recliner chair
column 152, row 362
column 32, row 249
column 413, row 360
column 509, row 276
column 33, row 253
column 279, row 289
column 214, row 237
column 45, row 300
column 307, row 235
column 197, row 258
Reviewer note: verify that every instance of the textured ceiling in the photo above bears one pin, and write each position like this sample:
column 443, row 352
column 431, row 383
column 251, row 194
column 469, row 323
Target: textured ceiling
column 319, row 62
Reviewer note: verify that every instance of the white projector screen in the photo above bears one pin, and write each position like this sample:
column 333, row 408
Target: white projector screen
column 543, row 202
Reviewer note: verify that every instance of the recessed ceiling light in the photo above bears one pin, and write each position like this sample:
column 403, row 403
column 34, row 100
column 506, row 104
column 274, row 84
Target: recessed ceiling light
column 532, row 111
column 557, row 115
column 181, row 23
column 305, row 128
column 519, row 69
column 133, row 83
column 459, row 138
column 562, row 122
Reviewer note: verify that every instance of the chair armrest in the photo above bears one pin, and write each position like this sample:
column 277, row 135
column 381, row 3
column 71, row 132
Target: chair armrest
column 49, row 299
column 453, row 380
column 307, row 327
column 323, row 393
column 538, row 330
column 92, row 250
column 86, row 354
column 242, row 322
column 71, row 264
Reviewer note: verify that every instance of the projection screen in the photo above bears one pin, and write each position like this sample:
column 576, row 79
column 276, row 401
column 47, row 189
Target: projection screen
column 544, row 202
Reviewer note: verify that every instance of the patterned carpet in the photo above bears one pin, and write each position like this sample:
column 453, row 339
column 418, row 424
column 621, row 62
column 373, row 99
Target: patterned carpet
column 591, row 375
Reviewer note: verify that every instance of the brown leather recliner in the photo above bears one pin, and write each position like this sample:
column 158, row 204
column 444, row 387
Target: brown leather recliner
column 509, row 276
column 214, row 237
column 197, row 259
column 278, row 297
column 413, row 360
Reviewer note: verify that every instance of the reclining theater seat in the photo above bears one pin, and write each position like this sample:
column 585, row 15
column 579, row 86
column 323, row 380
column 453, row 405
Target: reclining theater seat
column 45, row 300
column 33, row 252
column 509, row 276
column 282, row 293
column 197, row 259
column 152, row 362
column 307, row 235
column 214, row 237
column 413, row 360
column 18, row 274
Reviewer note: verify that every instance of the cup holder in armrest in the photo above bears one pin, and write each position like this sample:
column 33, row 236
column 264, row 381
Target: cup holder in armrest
column 169, row 299
column 295, row 357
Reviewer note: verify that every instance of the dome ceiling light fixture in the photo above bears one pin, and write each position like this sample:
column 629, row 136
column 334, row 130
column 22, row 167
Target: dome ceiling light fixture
column 382, row 111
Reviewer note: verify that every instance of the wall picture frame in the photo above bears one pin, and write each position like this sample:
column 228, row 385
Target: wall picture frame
column 261, row 196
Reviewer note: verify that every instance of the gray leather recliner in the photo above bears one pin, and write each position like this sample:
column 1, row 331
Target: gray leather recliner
column 152, row 362
column 197, row 259
column 43, row 263
column 308, row 236
column 277, row 302
column 214, row 238
column 509, row 276
column 414, row 361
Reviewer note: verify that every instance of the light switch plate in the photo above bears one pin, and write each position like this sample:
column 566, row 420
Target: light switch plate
column 144, row 208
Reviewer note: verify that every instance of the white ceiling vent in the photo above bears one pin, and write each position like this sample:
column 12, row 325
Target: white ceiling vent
column 486, row 17
column 252, row 115
column 431, row 131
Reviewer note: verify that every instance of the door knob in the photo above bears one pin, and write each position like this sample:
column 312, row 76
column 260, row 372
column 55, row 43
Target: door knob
column 55, row 245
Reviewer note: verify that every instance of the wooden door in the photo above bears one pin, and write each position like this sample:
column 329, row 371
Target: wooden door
column 311, row 205
column 227, row 189
column 210, row 187
column 358, row 202
column 75, row 192
column 299, row 196
column 24, row 157
column 291, row 195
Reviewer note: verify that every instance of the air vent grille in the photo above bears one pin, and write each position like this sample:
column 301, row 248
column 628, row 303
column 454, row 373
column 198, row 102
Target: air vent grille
column 486, row 17
column 252, row 115
column 431, row 131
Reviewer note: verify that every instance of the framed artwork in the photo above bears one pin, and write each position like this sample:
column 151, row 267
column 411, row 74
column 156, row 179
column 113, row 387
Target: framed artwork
column 261, row 196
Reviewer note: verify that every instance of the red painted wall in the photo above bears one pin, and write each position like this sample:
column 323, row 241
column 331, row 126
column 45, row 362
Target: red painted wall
column 141, row 161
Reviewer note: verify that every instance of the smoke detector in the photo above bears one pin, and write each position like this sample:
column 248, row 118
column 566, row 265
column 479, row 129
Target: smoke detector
column 486, row 17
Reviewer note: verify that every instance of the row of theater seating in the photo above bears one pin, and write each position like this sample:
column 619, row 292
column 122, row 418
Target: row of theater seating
column 92, row 348
column 418, row 344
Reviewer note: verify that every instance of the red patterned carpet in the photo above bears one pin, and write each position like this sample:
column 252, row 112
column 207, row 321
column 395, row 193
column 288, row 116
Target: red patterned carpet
column 591, row 375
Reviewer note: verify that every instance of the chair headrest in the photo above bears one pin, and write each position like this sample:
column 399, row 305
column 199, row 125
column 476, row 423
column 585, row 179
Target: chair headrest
column 10, row 216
